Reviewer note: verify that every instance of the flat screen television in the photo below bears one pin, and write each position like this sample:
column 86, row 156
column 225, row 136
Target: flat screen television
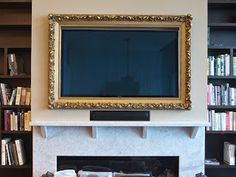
column 119, row 62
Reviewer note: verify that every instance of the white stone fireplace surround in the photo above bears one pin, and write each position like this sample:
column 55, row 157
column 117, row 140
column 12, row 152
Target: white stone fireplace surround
column 168, row 133
column 117, row 141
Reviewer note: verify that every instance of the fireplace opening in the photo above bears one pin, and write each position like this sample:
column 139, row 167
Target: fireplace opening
column 156, row 166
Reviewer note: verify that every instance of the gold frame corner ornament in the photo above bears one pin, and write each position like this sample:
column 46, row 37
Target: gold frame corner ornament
column 182, row 22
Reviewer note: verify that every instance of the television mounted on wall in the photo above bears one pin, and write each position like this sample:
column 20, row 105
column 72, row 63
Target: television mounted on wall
column 119, row 62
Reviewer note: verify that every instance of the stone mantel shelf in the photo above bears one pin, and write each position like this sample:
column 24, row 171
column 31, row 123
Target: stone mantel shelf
column 45, row 125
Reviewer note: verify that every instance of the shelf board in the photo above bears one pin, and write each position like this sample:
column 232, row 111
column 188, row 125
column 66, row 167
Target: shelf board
column 228, row 47
column 15, row 106
column 26, row 26
column 46, row 125
column 15, row 4
column 222, row 77
column 13, row 45
column 222, row 24
column 16, row 166
column 220, row 166
column 15, row 1
column 15, row 132
column 220, row 132
column 15, row 77
column 211, row 107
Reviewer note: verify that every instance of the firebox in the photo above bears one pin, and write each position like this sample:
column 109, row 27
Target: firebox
column 156, row 166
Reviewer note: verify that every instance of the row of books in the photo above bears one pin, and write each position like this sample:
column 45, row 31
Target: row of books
column 221, row 65
column 15, row 96
column 222, row 121
column 17, row 121
column 221, row 94
column 13, row 152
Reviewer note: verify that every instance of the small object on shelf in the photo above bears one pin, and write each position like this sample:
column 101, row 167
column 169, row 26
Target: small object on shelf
column 12, row 64
column 212, row 161
column 229, row 153
column 48, row 174
column 200, row 175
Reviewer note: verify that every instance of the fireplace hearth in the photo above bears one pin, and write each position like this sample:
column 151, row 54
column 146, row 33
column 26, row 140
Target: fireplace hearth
column 156, row 166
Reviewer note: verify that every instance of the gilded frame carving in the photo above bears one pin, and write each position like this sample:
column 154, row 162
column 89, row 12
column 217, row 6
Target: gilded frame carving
column 182, row 22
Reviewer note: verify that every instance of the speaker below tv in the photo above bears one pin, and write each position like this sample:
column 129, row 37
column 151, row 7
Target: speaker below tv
column 119, row 115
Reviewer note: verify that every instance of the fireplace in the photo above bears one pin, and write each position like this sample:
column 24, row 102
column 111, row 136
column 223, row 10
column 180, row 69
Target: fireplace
column 168, row 130
column 156, row 166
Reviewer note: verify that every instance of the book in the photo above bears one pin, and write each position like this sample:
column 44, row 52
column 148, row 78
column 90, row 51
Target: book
column 10, row 147
column 234, row 66
column 3, row 93
column 18, row 95
column 28, row 96
column 9, row 154
column 23, row 96
column 7, row 119
column 13, row 121
column 27, row 119
column 3, row 148
column 14, row 152
column 13, row 97
column 22, row 121
column 20, row 151
column 229, row 153
column 12, row 64
column 227, row 65
column 212, row 161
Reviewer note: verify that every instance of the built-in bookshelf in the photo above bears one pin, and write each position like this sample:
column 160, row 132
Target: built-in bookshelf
column 221, row 88
column 15, row 92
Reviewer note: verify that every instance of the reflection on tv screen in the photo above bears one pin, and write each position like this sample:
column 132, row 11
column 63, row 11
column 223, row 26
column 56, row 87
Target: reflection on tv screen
column 119, row 63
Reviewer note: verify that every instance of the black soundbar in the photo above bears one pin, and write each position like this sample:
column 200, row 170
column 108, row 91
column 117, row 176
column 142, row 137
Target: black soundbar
column 119, row 115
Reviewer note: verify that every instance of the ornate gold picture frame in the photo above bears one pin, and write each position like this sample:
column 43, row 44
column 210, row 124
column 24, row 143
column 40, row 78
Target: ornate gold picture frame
column 59, row 22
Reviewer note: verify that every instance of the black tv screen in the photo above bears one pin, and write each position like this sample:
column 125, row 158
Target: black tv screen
column 119, row 63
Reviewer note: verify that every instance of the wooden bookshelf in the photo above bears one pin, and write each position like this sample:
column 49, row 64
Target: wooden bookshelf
column 221, row 40
column 15, row 37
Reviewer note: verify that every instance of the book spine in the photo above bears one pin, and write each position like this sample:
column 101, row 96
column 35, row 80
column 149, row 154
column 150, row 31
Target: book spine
column 13, row 97
column 18, row 95
column 9, row 160
column 27, row 118
column 14, row 152
column 7, row 114
column 4, row 94
column 232, row 101
column 23, row 96
column 234, row 66
column 20, row 151
column 3, row 148
column 28, row 96
column 222, row 65
column 211, row 65
column 227, row 64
